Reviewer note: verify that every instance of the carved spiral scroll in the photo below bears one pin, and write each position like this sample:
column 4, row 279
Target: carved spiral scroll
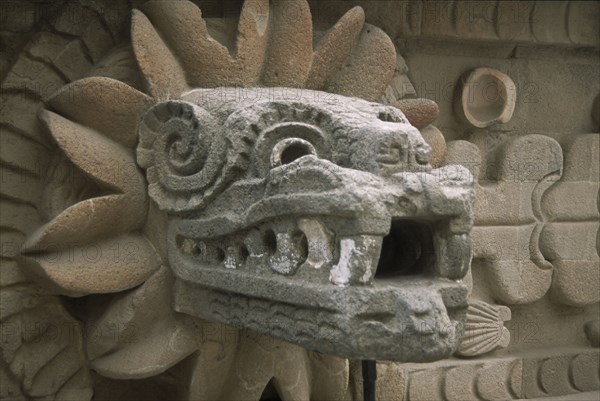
column 183, row 152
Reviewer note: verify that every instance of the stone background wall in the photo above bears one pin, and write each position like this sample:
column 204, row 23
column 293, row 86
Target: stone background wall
column 534, row 322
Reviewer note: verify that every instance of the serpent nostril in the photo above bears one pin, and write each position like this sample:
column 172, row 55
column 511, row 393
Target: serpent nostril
column 293, row 152
column 289, row 150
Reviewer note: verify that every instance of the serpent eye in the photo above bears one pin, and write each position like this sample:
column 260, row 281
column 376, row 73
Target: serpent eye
column 284, row 142
column 290, row 149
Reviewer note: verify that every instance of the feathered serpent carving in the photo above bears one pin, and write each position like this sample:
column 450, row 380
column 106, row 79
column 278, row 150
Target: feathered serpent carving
column 175, row 49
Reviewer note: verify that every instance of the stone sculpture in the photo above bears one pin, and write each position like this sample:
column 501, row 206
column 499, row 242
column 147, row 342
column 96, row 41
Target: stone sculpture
column 293, row 197
column 97, row 213
column 271, row 206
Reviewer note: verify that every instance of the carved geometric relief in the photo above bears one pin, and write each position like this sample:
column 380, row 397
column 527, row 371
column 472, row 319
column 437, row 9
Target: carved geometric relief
column 556, row 373
column 536, row 223
column 508, row 214
column 570, row 239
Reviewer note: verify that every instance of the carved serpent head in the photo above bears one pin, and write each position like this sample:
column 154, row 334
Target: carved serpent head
column 312, row 215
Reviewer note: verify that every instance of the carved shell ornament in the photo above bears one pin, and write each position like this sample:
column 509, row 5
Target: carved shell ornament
column 256, row 183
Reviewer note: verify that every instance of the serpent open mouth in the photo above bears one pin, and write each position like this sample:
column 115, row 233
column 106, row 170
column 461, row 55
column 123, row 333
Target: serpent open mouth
column 290, row 246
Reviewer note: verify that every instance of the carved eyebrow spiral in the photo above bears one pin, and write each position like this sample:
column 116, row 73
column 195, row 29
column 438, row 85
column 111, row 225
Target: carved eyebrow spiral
column 188, row 159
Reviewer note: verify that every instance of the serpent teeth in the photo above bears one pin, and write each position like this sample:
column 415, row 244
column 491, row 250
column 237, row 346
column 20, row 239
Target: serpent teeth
column 234, row 257
column 319, row 240
column 289, row 245
column 358, row 260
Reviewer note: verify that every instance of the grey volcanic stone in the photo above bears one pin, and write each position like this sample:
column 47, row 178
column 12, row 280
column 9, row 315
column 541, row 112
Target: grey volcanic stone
column 312, row 217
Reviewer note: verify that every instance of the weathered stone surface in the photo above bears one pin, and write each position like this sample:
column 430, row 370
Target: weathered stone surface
column 586, row 32
column 20, row 187
column 81, row 21
column 484, row 328
column 273, row 47
column 335, row 47
column 570, row 241
column 545, row 29
column 495, row 21
column 466, row 154
column 67, row 56
column 532, row 376
column 20, row 153
column 206, row 61
column 508, row 213
column 592, row 332
column 18, row 16
column 10, row 271
column 560, row 374
column 530, row 225
column 113, row 168
column 400, row 86
column 41, row 345
column 108, row 266
column 90, row 100
column 289, row 58
column 488, row 97
column 370, row 67
column 435, row 139
column 98, row 146
column 17, row 113
column 18, row 216
column 368, row 162
column 245, row 365
column 584, row 372
column 163, row 75
column 420, row 112
column 127, row 342
column 33, row 76
column 119, row 64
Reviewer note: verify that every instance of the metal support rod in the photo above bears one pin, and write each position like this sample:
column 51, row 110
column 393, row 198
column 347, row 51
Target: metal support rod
column 369, row 373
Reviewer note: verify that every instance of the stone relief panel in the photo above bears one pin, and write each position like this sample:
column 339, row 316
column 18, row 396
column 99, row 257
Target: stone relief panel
column 86, row 279
column 93, row 198
column 568, row 237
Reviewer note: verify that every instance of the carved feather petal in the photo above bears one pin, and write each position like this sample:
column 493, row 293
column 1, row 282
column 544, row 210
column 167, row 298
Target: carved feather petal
column 335, row 48
column 107, row 266
column 138, row 308
column 370, row 67
column 140, row 335
column 252, row 39
column 420, row 112
column 180, row 22
column 289, row 57
column 207, row 62
column 109, row 164
column 99, row 157
column 106, row 105
column 164, row 76
column 161, row 348
column 273, row 47
column 83, row 223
